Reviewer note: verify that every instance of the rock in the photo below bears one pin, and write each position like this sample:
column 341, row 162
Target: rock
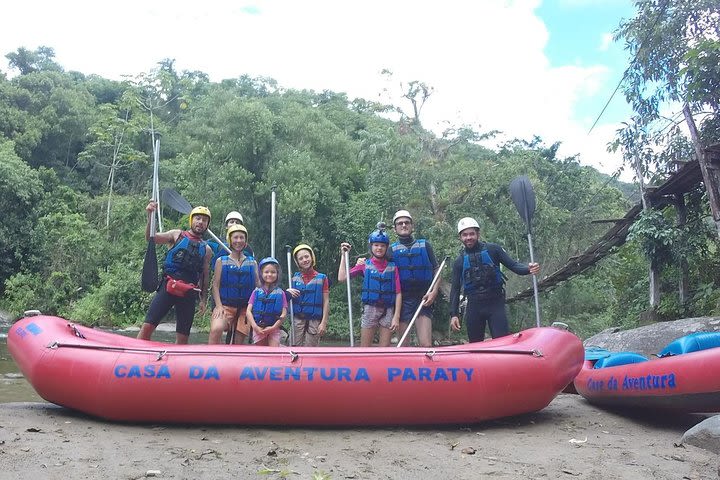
column 705, row 435
column 650, row 339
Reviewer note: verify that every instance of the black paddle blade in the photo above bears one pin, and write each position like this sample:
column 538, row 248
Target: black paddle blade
column 523, row 196
column 174, row 200
column 149, row 279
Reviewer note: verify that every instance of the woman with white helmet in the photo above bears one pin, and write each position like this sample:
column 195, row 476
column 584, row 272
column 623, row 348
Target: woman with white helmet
column 477, row 272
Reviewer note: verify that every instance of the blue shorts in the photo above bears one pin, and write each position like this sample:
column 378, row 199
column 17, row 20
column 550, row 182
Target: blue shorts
column 410, row 306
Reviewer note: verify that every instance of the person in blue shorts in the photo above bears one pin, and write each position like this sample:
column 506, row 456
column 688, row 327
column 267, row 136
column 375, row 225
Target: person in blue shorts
column 416, row 264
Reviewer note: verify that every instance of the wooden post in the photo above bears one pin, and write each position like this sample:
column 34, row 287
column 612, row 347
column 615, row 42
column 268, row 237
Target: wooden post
column 709, row 173
column 653, row 273
column 684, row 282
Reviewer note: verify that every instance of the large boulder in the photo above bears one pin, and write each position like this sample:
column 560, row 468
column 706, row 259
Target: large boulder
column 650, row 339
column 705, row 434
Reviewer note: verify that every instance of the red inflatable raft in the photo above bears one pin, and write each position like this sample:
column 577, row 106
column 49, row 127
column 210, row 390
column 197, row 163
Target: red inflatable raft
column 683, row 379
column 120, row 378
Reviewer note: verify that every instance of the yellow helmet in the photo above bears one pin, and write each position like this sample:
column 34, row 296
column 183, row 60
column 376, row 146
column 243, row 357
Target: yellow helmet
column 237, row 228
column 199, row 211
column 303, row 246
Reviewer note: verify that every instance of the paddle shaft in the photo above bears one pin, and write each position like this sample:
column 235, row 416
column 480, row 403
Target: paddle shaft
column 292, row 313
column 417, row 312
column 349, row 297
column 535, row 283
column 272, row 222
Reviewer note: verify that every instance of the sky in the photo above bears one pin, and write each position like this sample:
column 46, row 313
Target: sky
column 524, row 67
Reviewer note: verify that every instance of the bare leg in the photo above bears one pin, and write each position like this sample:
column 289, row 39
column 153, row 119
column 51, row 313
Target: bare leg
column 401, row 332
column 367, row 335
column 181, row 338
column 146, row 331
column 423, row 331
column 240, row 338
column 218, row 325
column 385, row 337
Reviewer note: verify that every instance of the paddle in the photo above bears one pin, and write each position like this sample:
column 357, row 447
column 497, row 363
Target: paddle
column 178, row 203
column 272, row 222
column 417, row 312
column 349, row 297
column 292, row 313
column 149, row 279
column 523, row 196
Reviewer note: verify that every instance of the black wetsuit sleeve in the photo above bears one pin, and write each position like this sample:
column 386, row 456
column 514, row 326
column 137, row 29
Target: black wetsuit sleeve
column 455, row 286
column 431, row 256
column 499, row 255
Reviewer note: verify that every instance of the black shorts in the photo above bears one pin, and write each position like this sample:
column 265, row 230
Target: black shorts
column 410, row 306
column 161, row 304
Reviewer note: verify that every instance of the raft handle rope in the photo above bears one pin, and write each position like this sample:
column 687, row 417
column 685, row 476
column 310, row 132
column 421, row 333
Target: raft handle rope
column 370, row 352
column 160, row 355
column 75, row 330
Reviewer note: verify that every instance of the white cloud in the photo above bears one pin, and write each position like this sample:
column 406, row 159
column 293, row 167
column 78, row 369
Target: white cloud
column 484, row 59
column 605, row 41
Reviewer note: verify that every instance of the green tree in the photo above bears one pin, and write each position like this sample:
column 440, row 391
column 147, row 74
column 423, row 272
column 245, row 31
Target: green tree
column 20, row 192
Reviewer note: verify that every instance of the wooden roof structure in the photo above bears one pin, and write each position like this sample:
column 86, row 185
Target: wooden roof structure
column 682, row 180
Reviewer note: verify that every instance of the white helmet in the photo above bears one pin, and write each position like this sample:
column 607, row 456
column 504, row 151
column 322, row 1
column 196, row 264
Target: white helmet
column 236, row 216
column 401, row 213
column 467, row 222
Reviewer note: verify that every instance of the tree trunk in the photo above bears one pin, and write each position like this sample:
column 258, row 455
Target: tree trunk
column 709, row 173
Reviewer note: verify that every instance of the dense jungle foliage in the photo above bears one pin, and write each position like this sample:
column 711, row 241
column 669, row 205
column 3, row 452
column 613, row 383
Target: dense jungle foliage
column 76, row 174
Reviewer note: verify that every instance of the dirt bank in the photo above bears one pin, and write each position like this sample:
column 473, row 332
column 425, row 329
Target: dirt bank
column 569, row 439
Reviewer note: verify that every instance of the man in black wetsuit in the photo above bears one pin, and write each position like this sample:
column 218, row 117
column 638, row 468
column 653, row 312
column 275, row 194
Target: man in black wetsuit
column 477, row 271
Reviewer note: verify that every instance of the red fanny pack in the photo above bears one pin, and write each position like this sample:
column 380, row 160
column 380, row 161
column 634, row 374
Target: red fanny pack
column 178, row 288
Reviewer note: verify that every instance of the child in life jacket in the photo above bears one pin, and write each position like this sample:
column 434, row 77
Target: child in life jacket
column 267, row 306
column 310, row 291
column 234, row 279
column 381, row 297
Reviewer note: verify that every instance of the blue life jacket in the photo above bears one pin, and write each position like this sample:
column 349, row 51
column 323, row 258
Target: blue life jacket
column 378, row 287
column 268, row 306
column 414, row 267
column 184, row 261
column 310, row 302
column 237, row 283
column 480, row 274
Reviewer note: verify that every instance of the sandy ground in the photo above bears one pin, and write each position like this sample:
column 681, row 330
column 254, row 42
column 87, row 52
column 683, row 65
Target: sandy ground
column 568, row 440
